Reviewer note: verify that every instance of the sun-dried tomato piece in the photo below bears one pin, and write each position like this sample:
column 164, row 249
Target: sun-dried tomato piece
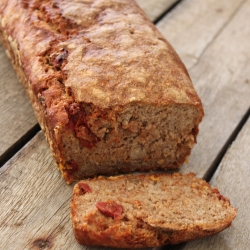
column 220, row 196
column 110, row 209
column 84, row 188
column 78, row 123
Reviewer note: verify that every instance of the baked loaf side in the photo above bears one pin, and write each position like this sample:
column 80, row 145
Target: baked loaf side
column 108, row 90
column 147, row 210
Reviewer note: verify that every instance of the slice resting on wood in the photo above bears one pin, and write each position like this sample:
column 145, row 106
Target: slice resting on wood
column 147, row 210
column 108, row 90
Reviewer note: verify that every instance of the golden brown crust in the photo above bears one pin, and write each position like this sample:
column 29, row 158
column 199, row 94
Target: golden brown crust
column 110, row 44
column 71, row 55
column 190, row 209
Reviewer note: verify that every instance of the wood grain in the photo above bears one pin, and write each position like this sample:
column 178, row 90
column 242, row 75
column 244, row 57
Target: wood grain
column 155, row 8
column 34, row 201
column 220, row 72
column 232, row 179
column 16, row 113
column 193, row 25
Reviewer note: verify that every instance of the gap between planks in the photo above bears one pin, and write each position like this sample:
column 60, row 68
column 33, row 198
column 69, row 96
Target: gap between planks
column 210, row 172
column 171, row 7
column 156, row 9
column 19, row 144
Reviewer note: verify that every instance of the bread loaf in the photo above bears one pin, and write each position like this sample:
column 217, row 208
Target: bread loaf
column 108, row 90
column 147, row 210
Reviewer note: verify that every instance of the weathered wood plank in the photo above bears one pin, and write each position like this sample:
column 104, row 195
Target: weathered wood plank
column 16, row 113
column 232, row 179
column 155, row 8
column 193, row 25
column 34, row 201
column 220, row 71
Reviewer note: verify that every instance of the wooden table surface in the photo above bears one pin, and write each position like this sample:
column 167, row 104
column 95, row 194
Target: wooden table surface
column 213, row 39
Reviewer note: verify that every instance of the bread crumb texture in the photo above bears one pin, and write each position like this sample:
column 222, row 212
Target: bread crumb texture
column 147, row 210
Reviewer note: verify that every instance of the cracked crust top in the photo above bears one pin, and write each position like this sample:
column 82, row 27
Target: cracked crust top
column 108, row 51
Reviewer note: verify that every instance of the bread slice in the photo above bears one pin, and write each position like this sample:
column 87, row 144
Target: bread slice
column 109, row 91
column 147, row 210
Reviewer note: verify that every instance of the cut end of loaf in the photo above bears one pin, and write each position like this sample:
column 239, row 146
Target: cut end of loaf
column 147, row 210
column 137, row 137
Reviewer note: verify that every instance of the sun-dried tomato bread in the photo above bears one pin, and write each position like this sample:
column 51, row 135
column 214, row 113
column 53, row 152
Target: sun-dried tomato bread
column 109, row 92
column 147, row 210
